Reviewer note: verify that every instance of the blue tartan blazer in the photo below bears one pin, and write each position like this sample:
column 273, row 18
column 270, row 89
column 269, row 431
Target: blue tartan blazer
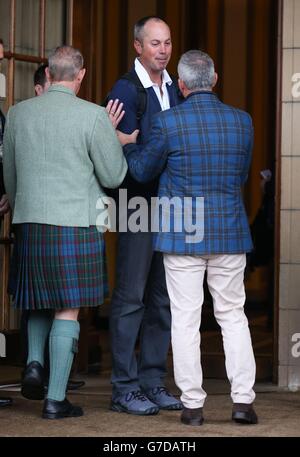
column 202, row 151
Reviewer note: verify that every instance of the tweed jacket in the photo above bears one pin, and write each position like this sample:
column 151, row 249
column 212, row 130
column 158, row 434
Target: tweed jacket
column 202, row 149
column 59, row 150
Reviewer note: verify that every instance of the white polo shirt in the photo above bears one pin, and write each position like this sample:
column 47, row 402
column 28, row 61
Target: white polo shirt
column 144, row 77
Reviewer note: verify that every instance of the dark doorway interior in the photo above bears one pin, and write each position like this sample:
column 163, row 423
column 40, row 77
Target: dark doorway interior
column 241, row 37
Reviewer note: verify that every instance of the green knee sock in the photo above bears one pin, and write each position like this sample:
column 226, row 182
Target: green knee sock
column 39, row 324
column 62, row 345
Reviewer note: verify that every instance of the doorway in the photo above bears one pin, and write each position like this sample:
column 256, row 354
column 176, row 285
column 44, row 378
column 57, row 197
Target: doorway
column 241, row 37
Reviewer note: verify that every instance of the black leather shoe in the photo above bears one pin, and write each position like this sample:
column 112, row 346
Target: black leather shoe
column 74, row 385
column 33, row 381
column 192, row 416
column 244, row 413
column 54, row 409
column 5, row 402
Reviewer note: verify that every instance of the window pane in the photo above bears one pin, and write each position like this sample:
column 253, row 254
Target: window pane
column 55, row 33
column 27, row 27
column 24, row 87
column 4, row 21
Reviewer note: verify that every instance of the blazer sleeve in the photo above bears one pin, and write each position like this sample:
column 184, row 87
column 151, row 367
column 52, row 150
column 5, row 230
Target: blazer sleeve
column 9, row 165
column 147, row 161
column 106, row 153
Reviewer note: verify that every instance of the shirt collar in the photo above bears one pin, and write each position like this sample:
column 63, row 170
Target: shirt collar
column 202, row 92
column 145, row 78
column 60, row 88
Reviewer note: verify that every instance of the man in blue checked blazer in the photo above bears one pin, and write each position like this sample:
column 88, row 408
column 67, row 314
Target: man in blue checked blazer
column 202, row 151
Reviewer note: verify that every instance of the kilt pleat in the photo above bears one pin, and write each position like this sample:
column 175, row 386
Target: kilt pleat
column 59, row 267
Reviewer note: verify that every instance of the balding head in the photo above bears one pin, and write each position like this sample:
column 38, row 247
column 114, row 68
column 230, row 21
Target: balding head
column 141, row 25
column 65, row 62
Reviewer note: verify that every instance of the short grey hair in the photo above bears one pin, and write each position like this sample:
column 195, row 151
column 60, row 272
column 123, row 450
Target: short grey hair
column 65, row 62
column 139, row 27
column 196, row 69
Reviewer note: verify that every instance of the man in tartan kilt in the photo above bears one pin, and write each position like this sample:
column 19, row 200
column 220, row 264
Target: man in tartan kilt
column 59, row 153
column 41, row 85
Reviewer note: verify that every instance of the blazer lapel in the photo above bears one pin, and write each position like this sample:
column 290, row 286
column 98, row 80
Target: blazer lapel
column 174, row 99
column 172, row 94
column 154, row 99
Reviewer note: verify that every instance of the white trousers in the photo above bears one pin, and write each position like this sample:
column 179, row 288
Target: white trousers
column 225, row 278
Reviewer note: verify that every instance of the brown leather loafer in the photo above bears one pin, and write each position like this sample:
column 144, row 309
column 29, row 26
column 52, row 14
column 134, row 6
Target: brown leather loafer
column 244, row 413
column 192, row 416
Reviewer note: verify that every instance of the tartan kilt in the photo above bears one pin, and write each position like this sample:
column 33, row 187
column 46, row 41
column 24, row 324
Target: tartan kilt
column 58, row 267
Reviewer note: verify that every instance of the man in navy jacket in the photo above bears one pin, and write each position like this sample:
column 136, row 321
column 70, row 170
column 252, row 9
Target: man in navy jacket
column 140, row 304
column 201, row 149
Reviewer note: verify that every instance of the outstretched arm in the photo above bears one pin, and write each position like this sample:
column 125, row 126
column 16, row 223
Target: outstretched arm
column 147, row 161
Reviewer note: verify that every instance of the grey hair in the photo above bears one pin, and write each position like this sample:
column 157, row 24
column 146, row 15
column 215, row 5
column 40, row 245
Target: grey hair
column 65, row 62
column 139, row 27
column 196, row 69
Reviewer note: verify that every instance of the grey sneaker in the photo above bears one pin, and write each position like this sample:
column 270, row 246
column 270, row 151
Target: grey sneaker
column 163, row 398
column 133, row 403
